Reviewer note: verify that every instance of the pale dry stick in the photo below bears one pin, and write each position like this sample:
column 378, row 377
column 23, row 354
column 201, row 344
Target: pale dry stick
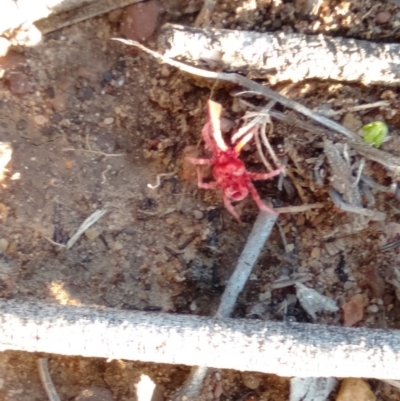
column 53, row 242
column 282, row 348
column 85, row 225
column 282, row 57
column 81, row 12
column 90, row 150
column 159, row 176
column 361, row 107
column 248, row 84
column 347, row 207
column 204, row 16
column 298, row 209
column 45, row 377
column 386, row 159
column 255, row 242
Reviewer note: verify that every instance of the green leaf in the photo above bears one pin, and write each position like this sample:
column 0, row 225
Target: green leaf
column 375, row 133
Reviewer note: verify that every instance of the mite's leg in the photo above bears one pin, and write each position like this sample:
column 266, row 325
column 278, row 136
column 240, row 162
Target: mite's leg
column 231, row 209
column 258, row 200
column 204, row 185
column 256, row 176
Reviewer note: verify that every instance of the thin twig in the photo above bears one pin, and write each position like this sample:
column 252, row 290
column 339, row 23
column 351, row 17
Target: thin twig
column 85, row 225
column 96, row 152
column 298, row 209
column 255, row 242
column 204, row 16
column 53, row 242
column 248, row 84
column 346, row 207
column 45, row 377
column 159, row 176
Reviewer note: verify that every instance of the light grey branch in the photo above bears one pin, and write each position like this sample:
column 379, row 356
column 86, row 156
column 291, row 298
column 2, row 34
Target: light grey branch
column 285, row 57
column 286, row 349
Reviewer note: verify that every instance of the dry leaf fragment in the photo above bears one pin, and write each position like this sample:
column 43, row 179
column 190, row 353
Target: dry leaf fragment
column 314, row 302
column 353, row 310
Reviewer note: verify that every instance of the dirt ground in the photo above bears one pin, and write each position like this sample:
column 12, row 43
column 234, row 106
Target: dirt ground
column 92, row 123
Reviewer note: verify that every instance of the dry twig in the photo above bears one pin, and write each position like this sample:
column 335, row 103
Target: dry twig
column 255, row 242
column 48, row 385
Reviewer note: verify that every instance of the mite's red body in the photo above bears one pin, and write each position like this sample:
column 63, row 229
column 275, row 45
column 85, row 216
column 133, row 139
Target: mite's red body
column 229, row 172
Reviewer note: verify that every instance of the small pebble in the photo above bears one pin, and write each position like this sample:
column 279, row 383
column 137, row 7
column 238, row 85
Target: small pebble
column 59, row 103
column 170, row 220
column 19, row 84
column 108, row 77
column 108, row 120
column 355, row 390
column 351, row 122
column 373, row 308
column 198, row 214
column 116, row 15
column 40, row 120
column 21, row 125
column 251, row 380
column 141, row 20
column 91, row 234
column 383, row 17
column 165, row 72
column 3, row 245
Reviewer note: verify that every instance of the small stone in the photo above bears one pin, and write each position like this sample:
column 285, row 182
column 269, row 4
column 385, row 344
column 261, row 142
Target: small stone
column 355, row 390
column 170, row 220
column 198, row 214
column 40, row 120
column 108, row 77
column 165, row 71
column 3, row 245
column 116, row 15
column 108, row 120
column 383, row 17
column 21, row 125
column 95, row 394
column 141, row 20
column 351, row 122
column 316, row 252
column 251, row 380
column 91, row 234
column 373, row 308
column 59, row 102
column 19, row 84
column 353, row 310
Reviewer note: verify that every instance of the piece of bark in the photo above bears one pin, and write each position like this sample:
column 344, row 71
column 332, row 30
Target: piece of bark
column 286, row 349
column 284, row 57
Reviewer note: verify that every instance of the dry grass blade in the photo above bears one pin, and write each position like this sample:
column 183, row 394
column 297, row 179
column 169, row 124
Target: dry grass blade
column 85, row 225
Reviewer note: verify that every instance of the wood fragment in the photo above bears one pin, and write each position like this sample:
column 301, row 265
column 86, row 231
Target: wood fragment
column 255, row 242
column 286, row 349
column 45, row 377
column 80, row 13
column 285, row 57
